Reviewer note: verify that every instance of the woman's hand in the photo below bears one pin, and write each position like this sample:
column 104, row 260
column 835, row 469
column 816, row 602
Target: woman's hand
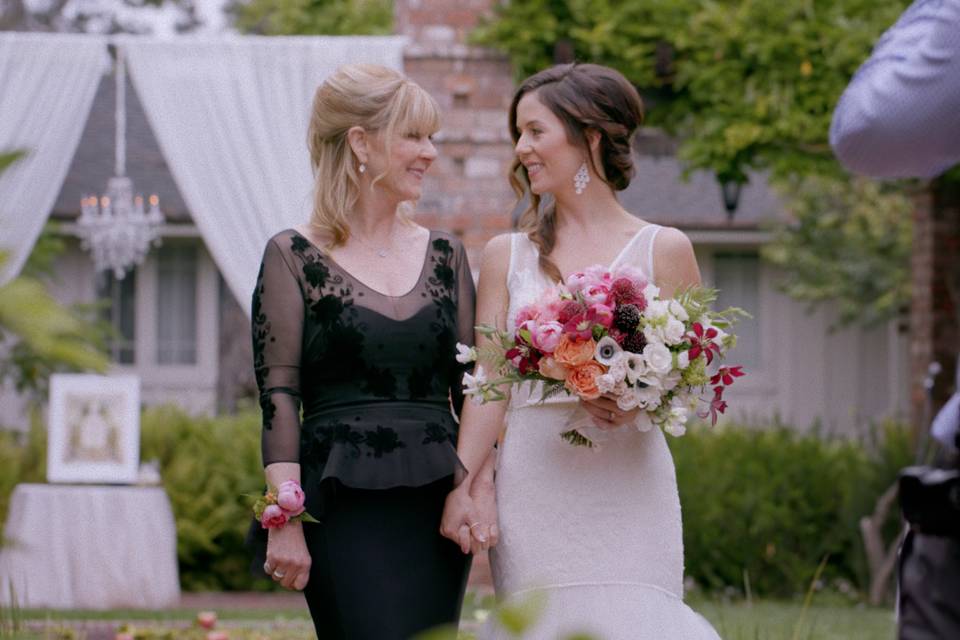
column 459, row 518
column 484, row 496
column 606, row 414
column 288, row 560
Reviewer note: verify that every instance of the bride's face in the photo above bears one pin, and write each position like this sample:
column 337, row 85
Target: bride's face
column 543, row 148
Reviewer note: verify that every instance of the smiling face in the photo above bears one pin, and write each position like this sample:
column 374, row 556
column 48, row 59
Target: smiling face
column 544, row 148
column 399, row 167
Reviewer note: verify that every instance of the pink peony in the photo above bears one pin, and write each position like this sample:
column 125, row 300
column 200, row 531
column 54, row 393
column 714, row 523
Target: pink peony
column 595, row 293
column 546, row 336
column 600, row 314
column 525, row 313
column 207, row 619
column 576, row 282
column 273, row 516
column 290, row 498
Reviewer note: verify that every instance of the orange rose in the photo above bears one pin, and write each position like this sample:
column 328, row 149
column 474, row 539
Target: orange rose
column 573, row 353
column 583, row 380
column 550, row 368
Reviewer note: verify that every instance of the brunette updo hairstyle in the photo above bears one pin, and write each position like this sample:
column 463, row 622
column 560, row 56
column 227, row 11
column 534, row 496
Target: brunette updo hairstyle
column 585, row 97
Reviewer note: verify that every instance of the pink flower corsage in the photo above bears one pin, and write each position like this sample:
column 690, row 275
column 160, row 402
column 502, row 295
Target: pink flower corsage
column 279, row 506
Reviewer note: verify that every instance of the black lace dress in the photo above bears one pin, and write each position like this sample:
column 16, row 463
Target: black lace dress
column 374, row 376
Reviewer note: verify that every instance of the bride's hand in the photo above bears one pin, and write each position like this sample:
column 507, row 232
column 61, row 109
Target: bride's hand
column 606, row 414
column 459, row 512
column 484, row 495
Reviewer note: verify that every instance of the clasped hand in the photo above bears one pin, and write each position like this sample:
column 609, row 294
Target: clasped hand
column 470, row 518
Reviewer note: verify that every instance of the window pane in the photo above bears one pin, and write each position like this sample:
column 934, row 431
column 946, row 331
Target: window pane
column 177, row 304
column 738, row 279
column 119, row 297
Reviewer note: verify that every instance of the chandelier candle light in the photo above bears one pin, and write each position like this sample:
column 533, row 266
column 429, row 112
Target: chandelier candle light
column 115, row 227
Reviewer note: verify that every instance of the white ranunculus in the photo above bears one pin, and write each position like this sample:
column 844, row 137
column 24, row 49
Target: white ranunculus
column 621, row 388
column 673, row 332
column 618, row 370
column 465, row 354
column 676, row 421
column 650, row 292
column 628, row 399
column 606, row 383
column 658, row 357
column 678, row 311
column 657, row 309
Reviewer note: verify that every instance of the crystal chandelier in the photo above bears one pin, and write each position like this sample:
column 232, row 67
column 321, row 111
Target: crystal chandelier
column 116, row 228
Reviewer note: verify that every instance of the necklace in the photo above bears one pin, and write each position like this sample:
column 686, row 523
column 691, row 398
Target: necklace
column 382, row 252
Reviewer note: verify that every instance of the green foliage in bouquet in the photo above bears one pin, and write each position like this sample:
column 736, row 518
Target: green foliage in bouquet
column 771, row 503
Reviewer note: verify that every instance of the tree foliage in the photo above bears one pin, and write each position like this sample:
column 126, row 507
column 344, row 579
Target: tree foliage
column 305, row 17
column 747, row 85
column 38, row 335
column 847, row 241
column 108, row 16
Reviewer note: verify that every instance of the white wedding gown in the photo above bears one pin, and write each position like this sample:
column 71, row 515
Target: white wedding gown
column 598, row 533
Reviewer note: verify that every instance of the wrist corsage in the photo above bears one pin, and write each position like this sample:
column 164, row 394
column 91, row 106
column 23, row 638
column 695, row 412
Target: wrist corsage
column 279, row 506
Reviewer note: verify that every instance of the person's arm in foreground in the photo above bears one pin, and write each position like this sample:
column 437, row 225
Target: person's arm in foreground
column 900, row 114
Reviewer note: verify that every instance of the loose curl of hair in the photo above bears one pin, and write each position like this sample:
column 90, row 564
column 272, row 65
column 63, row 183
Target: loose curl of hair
column 585, row 97
column 374, row 97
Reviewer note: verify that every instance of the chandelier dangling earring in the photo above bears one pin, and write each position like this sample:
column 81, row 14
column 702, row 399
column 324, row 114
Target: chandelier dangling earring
column 581, row 179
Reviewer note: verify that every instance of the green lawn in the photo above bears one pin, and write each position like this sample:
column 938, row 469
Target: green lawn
column 825, row 619
column 772, row 620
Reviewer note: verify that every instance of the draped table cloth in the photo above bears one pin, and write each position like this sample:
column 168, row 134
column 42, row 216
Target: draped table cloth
column 89, row 547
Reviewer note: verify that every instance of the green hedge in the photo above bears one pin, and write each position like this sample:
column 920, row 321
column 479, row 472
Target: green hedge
column 208, row 466
column 766, row 503
column 766, row 506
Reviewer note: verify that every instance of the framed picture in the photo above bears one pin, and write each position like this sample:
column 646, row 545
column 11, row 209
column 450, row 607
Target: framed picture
column 94, row 429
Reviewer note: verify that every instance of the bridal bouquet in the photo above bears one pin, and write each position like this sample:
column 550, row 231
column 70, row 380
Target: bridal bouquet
column 610, row 333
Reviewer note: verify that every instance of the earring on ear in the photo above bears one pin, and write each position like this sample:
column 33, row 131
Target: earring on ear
column 362, row 167
column 581, row 179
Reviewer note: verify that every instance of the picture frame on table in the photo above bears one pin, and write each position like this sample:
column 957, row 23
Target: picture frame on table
column 93, row 429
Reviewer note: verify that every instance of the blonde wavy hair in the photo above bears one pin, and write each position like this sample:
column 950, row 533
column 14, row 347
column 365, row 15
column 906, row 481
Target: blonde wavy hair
column 374, row 97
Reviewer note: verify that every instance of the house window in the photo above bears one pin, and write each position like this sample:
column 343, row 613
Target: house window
column 176, row 303
column 737, row 276
column 119, row 297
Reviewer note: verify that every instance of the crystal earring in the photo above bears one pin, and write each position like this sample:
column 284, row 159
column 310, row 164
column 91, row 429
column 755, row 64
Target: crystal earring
column 581, row 179
column 362, row 167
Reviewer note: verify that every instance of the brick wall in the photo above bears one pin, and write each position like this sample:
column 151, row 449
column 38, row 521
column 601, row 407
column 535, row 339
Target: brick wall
column 466, row 190
column 935, row 307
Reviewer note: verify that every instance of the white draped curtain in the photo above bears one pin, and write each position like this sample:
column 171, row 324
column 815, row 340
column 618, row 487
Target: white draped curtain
column 231, row 119
column 47, row 84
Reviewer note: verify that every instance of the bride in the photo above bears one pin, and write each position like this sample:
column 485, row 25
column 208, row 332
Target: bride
column 597, row 533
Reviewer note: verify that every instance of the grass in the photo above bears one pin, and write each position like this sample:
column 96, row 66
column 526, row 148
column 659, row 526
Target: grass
column 826, row 618
column 774, row 620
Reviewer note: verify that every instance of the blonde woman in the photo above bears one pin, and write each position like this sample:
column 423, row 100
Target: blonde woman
column 355, row 320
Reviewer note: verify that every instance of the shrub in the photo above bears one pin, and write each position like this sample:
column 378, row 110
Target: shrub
column 207, row 466
column 768, row 505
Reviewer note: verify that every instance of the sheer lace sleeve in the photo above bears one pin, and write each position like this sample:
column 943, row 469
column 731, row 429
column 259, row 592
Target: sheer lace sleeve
column 466, row 308
column 277, row 317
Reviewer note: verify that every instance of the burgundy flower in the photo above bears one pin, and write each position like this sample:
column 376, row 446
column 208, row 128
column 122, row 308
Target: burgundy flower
column 634, row 342
column 624, row 291
column 579, row 327
column 717, row 405
column 727, row 374
column 701, row 341
column 569, row 309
